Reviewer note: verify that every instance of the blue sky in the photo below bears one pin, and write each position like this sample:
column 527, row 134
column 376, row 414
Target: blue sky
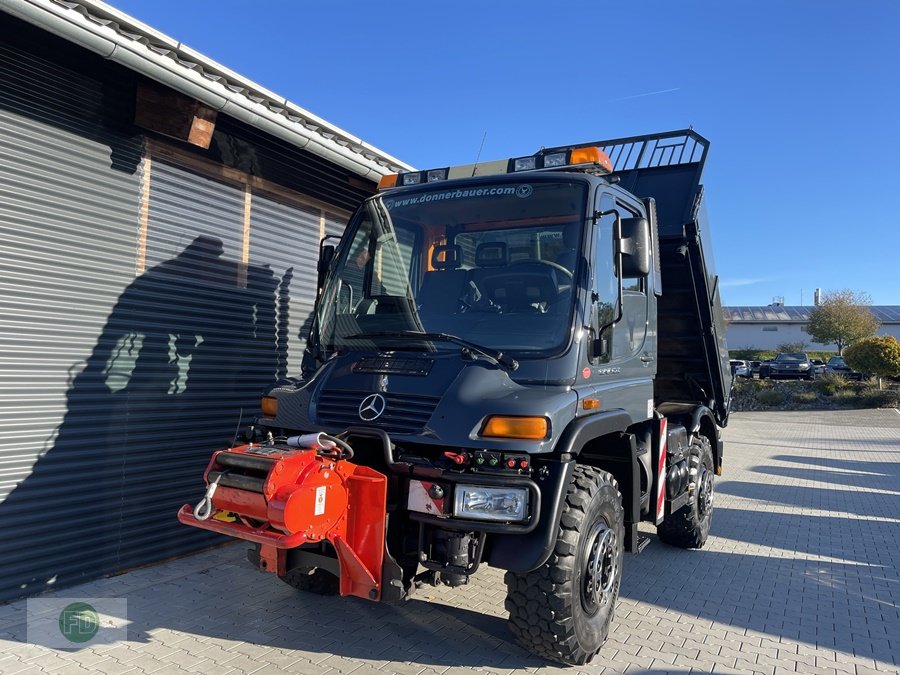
column 800, row 100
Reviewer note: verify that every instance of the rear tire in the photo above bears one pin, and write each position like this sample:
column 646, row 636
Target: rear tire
column 312, row 580
column 563, row 610
column 688, row 527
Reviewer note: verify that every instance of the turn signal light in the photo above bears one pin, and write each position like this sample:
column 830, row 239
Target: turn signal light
column 534, row 428
column 387, row 181
column 592, row 155
column 269, row 406
column 590, row 404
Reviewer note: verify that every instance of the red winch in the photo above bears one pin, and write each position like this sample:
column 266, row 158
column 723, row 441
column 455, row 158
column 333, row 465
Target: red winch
column 281, row 496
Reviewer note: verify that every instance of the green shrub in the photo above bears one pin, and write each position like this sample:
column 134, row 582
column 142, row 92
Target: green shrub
column 879, row 355
column 801, row 397
column 831, row 383
column 846, row 397
column 744, row 385
column 771, row 397
column 880, row 398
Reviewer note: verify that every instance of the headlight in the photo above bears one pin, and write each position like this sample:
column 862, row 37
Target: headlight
column 554, row 159
column 490, row 503
column 524, row 164
column 804, row 366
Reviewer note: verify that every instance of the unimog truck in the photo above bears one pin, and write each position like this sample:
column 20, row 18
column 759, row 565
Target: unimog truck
column 512, row 364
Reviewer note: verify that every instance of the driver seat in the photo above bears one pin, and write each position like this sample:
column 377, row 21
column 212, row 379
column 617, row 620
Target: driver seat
column 517, row 287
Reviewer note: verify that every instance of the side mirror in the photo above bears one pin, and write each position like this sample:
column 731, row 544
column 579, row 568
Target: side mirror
column 326, row 255
column 598, row 349
column 635, row 243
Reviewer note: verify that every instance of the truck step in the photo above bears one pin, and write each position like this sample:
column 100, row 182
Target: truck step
column 642, row 543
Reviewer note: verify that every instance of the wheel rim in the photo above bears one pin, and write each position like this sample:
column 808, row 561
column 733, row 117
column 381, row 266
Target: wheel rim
column 705, row 498
column 601, row 569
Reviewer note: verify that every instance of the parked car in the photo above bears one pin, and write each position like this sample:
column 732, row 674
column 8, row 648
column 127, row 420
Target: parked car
column 818, row 366
column 754, row 367
column 796, row 365
column 836, row 364
column 740, row 368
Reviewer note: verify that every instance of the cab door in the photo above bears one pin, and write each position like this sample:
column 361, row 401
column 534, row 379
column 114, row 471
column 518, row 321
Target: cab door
column 624, row 365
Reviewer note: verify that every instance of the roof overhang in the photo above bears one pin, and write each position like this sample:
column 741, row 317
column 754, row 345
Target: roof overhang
column 118, row 37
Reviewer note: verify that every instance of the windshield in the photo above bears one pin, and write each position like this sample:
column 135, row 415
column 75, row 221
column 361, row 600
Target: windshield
column 836, row 361
column 491, row 263
column 790, row 358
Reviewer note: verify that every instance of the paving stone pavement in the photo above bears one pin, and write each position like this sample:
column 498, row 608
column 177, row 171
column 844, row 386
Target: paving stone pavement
column 800, row 575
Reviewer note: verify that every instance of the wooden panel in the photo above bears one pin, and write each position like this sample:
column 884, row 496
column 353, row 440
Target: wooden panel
column 169, row 113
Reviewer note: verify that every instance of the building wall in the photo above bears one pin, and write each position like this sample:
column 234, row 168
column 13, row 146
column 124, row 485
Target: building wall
column 149, row 292
column 770, row 335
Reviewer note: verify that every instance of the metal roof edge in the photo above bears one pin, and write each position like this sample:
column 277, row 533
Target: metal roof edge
column 114, row 35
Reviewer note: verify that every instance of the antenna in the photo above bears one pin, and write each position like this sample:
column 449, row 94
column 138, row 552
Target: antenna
column 478, row 156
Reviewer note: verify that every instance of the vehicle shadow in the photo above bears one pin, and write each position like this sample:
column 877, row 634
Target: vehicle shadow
column 886, row 505
column 850, row 478
column 877, row 468
column 760, row 592
column 841, row 593
column 827, row 596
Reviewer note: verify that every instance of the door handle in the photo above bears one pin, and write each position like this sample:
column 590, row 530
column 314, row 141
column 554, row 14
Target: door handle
column 647, row 358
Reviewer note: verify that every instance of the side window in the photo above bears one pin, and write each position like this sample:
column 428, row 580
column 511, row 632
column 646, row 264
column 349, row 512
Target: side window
column 631, row 331
column 356, row 268
column 638, row 284
column 606, row 286
column 625, row 338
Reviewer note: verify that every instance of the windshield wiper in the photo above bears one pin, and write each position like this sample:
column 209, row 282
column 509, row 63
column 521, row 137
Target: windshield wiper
column 505, row 361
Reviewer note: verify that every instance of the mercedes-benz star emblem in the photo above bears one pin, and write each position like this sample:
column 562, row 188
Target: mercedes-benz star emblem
column 371, row 407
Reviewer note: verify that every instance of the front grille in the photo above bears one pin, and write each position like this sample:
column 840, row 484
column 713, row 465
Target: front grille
column 396, row 365
column 403, row 413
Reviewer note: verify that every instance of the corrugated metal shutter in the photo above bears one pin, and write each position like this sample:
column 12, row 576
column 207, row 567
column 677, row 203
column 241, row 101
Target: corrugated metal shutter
column 69, row 198
column 143, row 308
column 335, row 223
column 285, row 240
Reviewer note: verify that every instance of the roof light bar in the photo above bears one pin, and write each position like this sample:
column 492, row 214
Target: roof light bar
column 555, row 159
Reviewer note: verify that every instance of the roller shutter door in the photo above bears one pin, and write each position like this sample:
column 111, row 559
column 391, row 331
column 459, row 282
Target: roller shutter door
column 69, row 200
column 143, row 308
column 284, row 241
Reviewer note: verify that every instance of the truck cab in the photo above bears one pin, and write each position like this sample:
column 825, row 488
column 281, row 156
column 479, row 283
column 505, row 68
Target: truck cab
column 531, row 353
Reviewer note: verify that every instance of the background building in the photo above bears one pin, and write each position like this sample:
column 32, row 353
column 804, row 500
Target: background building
column 159, row 227
column 773, row 325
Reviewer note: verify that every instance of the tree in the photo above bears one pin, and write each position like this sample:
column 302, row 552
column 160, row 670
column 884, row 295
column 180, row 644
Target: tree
column 842, row 318
column 877, row 355
column 792, row 347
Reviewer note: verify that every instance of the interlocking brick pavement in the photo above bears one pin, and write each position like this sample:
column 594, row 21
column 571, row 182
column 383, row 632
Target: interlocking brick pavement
column 800, row 575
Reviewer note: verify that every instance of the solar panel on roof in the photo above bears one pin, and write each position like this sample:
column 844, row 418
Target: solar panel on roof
column 884, row 313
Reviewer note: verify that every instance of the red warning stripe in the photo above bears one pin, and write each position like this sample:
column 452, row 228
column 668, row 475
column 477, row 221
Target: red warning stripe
column 661, row 472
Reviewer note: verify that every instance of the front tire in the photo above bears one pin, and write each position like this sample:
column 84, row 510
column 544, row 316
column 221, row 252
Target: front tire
column 563, row 610
column 688, row 527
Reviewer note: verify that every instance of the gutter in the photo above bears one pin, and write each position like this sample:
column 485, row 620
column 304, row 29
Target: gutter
column 116, row 36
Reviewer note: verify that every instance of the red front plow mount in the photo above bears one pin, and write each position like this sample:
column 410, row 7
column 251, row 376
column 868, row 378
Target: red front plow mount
column 282, row 497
